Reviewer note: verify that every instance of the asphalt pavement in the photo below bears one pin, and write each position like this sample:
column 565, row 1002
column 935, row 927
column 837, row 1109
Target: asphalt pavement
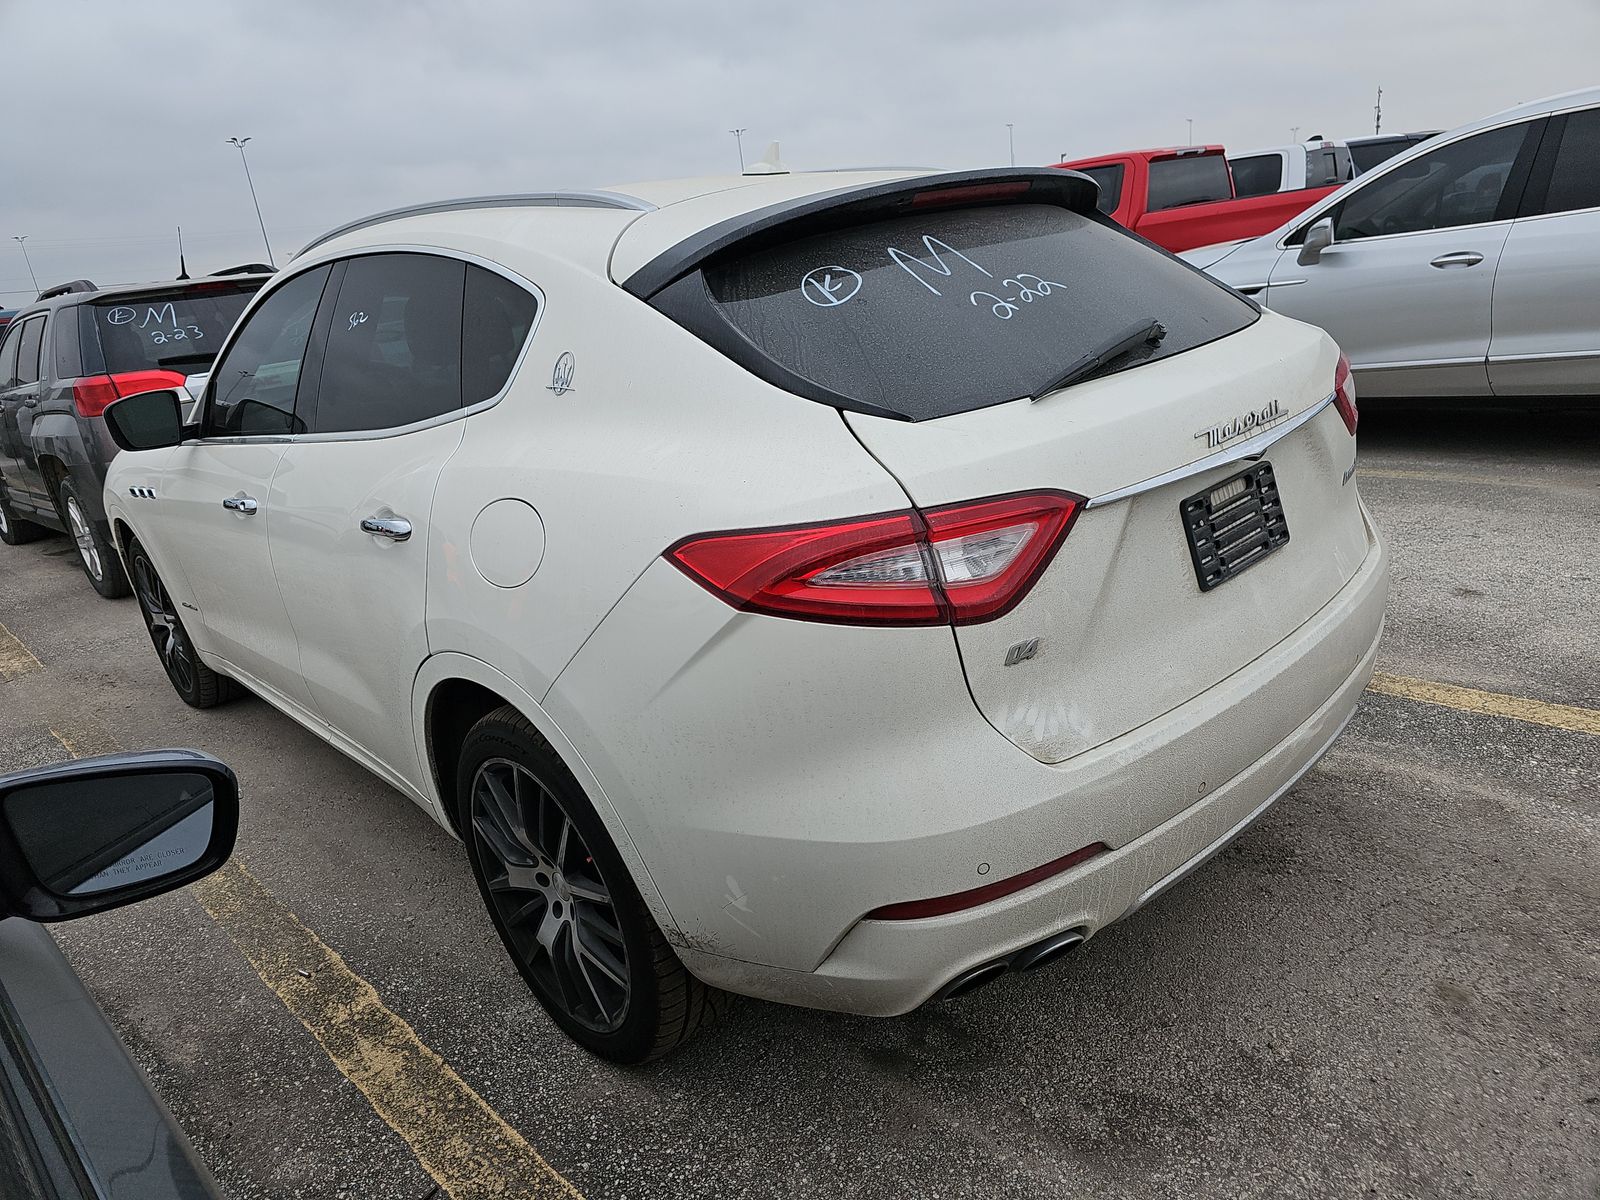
column 1390, row 985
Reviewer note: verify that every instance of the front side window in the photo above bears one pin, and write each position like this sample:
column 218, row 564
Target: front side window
column 1575, row 180
column 253, row 386
column 394, row 344
column 1257, row 175
column 1458, row 184
column 28, row 350
column 1193, row 179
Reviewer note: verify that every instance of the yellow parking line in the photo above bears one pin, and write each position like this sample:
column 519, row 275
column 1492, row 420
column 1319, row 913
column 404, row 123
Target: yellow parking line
column 467, row 1147
column 1492, row 704
column 15, row 658
column 463, row 1143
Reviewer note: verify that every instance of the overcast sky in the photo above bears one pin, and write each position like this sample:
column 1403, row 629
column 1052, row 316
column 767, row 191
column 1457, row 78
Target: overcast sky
column 117, row 112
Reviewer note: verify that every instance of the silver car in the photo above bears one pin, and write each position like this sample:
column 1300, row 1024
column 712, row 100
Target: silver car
column 1467, row 267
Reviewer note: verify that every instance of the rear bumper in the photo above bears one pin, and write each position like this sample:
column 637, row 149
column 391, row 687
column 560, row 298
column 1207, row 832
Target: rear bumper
column 883, row 968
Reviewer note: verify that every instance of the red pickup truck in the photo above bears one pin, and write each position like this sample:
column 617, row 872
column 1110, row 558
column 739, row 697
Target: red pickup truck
column 1183, row 197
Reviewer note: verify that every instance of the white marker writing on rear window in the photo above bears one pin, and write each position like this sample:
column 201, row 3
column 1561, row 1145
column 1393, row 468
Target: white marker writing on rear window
column 908, row 262
column 829, row 287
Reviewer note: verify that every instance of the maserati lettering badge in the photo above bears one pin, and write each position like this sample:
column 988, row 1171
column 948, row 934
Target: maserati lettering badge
column 561, row 375
column 1239, row 426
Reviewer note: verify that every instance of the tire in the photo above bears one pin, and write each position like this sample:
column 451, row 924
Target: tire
column 196, row 684
column 14, row 531
column 572, row 921
column 96, row 556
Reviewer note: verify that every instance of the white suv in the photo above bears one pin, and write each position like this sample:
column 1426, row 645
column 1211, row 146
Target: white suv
column 836, row 588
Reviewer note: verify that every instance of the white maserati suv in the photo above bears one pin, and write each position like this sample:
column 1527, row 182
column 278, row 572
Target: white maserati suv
column 836, row 588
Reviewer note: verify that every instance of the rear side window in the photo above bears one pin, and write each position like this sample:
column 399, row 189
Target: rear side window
column 394, row 344
column 1257, row 175
column 253, row 386
column 927, row 315
column 1575, row 180
column 494, row 327
column 1324, row 167
column 1196, row 179
column 180, row 330
column 1109, row 177
column 28, row 350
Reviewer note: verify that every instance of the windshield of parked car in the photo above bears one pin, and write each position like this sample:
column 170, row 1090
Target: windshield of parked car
column 180, row 330
column 943, row 312
column 1193, row 179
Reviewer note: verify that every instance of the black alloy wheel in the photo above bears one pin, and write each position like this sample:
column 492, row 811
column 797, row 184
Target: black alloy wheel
column 197, row 684
column 563, row 902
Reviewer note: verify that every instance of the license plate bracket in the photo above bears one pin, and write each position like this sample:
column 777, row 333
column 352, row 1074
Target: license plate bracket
column 1234, row 524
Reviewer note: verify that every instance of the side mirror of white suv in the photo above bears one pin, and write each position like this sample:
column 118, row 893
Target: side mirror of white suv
column 1318, row 238
column 147, row 420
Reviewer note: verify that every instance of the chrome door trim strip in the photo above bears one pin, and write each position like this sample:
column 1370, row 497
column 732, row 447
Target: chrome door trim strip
column 1253, row 448
column 1548, row 356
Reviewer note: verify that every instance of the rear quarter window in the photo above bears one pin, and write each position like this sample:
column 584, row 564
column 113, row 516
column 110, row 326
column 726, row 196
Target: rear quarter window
column 928, row 315
column 1109, row 177
column 1257, row 175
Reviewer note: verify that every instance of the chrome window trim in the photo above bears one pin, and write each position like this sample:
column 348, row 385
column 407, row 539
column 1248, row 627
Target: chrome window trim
column 372, row 435
column 596, row 199
column 1252, row 448
column 1307, row 219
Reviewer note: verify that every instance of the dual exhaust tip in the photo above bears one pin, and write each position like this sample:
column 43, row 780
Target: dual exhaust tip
column 1029, row 958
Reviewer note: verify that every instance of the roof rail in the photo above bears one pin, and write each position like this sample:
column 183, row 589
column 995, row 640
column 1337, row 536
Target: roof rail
column 64, row 289
column 245, row 269
column 529, row 200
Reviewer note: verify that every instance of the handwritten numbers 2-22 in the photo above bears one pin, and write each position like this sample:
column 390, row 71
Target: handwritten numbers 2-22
column 1006, row 307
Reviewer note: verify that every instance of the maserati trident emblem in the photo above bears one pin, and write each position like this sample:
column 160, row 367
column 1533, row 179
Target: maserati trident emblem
column 561, row 374
column 1216, row 435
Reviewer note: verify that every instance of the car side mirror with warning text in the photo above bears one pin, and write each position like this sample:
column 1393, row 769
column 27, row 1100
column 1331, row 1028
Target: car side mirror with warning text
column 98, row 833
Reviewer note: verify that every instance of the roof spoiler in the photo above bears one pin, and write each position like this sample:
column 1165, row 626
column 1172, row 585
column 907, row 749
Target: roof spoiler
column 792, row 219
column 245, row 269
column 66, row 289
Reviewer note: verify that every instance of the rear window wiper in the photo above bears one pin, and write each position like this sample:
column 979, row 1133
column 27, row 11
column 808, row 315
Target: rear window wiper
column 1148, row 332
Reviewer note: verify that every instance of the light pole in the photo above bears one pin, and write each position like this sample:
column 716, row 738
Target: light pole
column 1190, row 142
column 1294, row 133
column 239, row 144
column 1011, row 142
column 738, row 139
column 21, row 241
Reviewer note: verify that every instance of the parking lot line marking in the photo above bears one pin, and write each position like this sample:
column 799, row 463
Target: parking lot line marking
column 15, row 658
column 1493, row 704
column 467, row 1147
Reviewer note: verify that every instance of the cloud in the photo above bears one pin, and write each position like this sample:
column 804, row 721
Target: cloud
column 118, row 112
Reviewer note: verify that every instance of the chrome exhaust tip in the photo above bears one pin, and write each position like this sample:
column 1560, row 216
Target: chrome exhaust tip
column 1041, row 953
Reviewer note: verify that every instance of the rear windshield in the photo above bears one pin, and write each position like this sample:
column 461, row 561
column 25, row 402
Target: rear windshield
column 1198, row 179
column 928, row 315
column 181, row 330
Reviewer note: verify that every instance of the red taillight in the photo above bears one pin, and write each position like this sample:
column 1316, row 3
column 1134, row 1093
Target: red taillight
column 1344, row 394
column 91, row 394
column 911, row 910
column 957, row 564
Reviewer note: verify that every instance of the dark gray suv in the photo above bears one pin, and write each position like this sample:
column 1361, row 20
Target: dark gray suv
column 64, row 359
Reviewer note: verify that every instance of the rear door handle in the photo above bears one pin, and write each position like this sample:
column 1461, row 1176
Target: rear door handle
column 30, row 402
column 243, row 505
column 1461, row 258
column 396, row 529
